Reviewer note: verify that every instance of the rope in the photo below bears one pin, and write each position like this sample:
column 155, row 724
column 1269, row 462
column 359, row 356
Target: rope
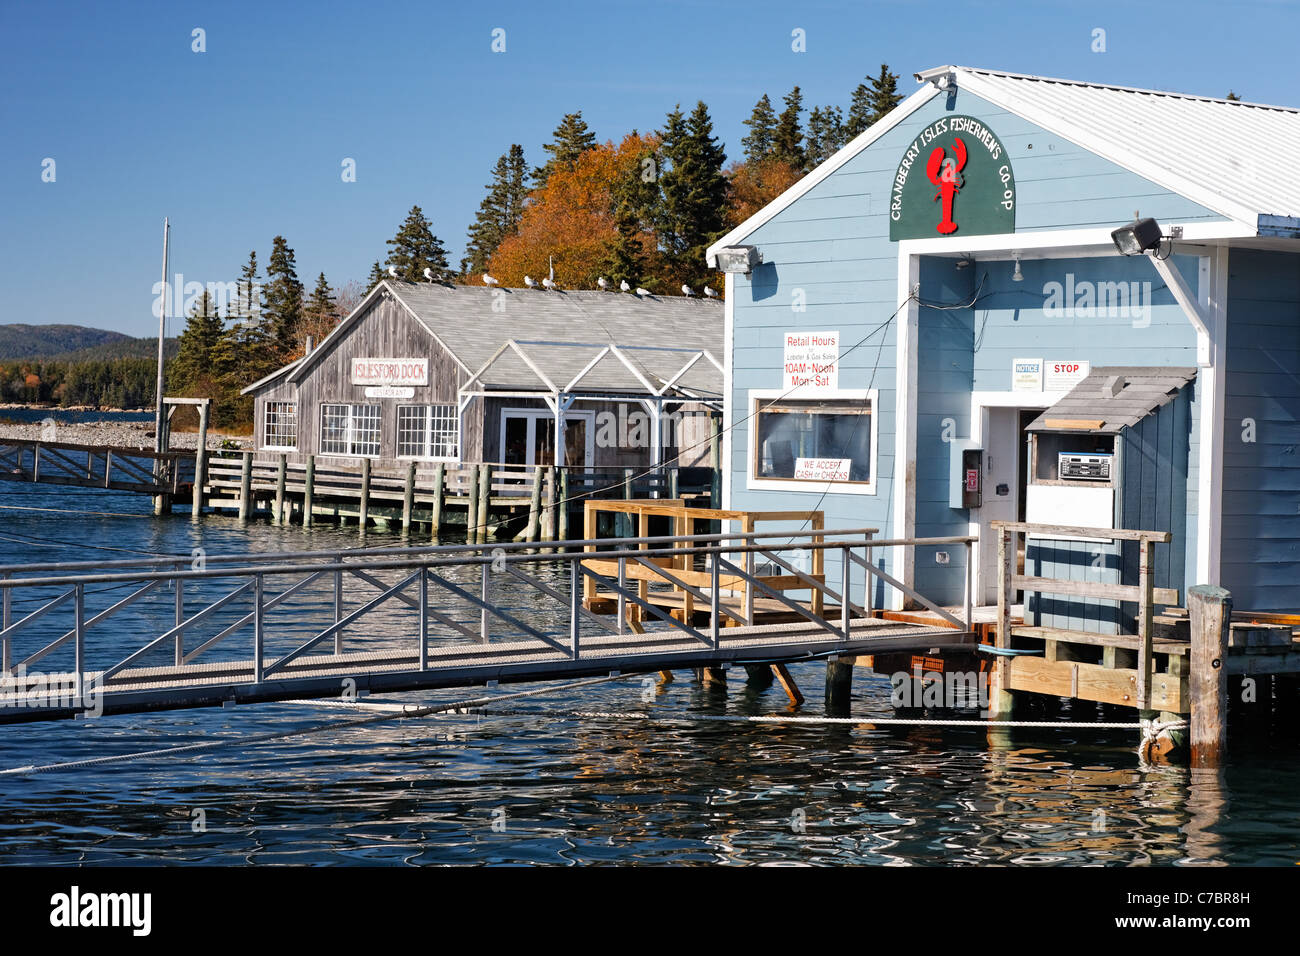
column 457, row 707
column 1156, row 726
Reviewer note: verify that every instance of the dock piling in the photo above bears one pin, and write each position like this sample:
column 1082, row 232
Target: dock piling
column 309, row 490
column 439, row 479
column 363, row 518
column 246, row 486
column 408, row 496
column 1210, row 611
column 278, row 516
column 839, row 685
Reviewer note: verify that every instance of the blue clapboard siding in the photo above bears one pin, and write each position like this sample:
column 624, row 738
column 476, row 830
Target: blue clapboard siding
column 1261, row 478
column 832, row 248
column 1095, row 561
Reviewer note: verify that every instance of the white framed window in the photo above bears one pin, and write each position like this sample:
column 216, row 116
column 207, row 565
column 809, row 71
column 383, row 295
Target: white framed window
column 280, row 425
column 428, row 431
column 349, row 430
column 826, row 442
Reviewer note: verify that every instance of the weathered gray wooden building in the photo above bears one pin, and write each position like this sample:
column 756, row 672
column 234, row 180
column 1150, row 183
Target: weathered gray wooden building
column 434, row 372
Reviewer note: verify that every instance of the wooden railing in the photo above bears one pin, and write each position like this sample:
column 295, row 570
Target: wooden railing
column 1145, row 594
column 95, row 466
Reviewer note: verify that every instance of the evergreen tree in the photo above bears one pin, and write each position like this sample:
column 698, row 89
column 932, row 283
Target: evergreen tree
column 860, row 111
column 694, row 194
column 570, row 139
column 416, row 248
column 499, row 212
column 248, row 283
column 283, row 297
column 1233, row 97
column 377, row 275
column 787, row 140
column 321, row 305
column 884, row 93
column 826, row 134
column 762, row 131
column 193, row 361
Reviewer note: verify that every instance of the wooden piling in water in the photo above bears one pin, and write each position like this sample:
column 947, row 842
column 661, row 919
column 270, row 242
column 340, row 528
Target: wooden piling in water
column 471, row 506
column 530, row 531
column 563, row 504
column 787, row 684
column 1210, row 611
column 246, row 486
column 408, row 496
column 839, row 685
column 760, row 675
column 363, row 517
column 277, row 516
column 309, row 489
column 200, row 461
column 1001, row 700
column 435, row 519
column 484, row 500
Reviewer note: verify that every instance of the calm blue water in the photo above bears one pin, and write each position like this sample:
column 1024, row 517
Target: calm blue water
column 556, row 791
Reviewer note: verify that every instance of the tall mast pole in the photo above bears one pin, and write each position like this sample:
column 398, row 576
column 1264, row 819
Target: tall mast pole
column 162, row 333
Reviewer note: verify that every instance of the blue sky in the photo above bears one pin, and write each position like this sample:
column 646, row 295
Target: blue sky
column 246, row 140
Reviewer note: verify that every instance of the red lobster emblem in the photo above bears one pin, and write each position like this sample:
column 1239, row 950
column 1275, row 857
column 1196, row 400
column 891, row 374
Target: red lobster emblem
column 945, row 173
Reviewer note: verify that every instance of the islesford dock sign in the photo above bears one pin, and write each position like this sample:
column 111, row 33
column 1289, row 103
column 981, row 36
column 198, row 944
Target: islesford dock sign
column 954, row 178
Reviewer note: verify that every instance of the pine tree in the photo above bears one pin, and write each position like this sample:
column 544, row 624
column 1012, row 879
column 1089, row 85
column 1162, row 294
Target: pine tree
column 787, row 140
column 860, row 111
column 826, row 134
column 694, row 194
column 1233, row 97
column 246, row 288
column 762, row 130
column 884, row 93
column 193, row 361
column 283, row 295
column 377, row 275
column 416, row 248
column 320, row 315
column 499, row 212
column 570, row 139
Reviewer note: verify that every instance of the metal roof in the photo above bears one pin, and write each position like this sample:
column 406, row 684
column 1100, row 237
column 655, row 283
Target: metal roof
column 1222, row 154
column 672, row 343
column 1118, row 396
column 1191, row 144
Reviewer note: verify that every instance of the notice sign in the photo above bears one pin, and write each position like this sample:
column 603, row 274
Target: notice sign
column 972, row 479
column 390, row 371
column 1027, row 375
column 822, row 469
column 389, row 391
column 1063, row 376
column 812, row 361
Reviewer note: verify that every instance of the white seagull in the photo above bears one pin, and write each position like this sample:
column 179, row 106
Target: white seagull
column 488, row 280
column 603, row 282
column 428, row 273
column 530, row 282
column 392, row 272
column 711, row 293
column 624, row 286
column 549, row 283
column 641, row 291
column 686, row 290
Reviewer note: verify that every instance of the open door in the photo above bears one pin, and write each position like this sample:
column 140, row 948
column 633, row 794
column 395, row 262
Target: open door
column 1005, row 478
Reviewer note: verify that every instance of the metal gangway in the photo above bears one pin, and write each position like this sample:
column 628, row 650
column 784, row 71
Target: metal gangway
column 83, row 639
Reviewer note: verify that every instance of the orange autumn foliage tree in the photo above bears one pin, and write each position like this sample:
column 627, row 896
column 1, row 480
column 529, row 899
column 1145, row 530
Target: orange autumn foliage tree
column 755, row 184
column 571, row 219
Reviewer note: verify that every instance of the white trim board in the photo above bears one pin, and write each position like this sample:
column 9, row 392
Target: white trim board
column 754, row 483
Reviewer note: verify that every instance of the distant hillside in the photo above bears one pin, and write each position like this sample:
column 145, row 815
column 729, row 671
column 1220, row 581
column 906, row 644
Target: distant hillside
column 73, row 343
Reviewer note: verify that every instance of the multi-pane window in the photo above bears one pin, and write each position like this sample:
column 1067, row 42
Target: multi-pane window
column 281, row 425
column 349, row 430
column 427, row 431
column 814, row 440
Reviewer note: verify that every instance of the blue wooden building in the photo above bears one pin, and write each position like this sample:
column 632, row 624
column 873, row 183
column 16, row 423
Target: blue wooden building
column 935, row 329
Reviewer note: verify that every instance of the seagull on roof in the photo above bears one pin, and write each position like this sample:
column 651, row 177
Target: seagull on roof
column 624, row 286
column 603, row 282
column 642, row 292
column 711, row 293
column 530, row 282
column 392, row 272
column 428, row 273
column 686, row 290
column 549, row 283
column 488, row 280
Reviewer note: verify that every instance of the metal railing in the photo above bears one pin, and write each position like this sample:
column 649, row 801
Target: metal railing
column 219, row 596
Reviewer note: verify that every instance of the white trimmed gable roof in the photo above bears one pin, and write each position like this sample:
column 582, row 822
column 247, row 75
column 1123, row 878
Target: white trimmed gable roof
column 1226, row 155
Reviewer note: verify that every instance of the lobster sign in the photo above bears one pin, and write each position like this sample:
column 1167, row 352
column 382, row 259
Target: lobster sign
column 967, row 187
column 945, row 172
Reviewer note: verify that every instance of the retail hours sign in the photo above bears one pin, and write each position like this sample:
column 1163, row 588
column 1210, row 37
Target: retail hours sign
column 812, row 361
column 954, row 179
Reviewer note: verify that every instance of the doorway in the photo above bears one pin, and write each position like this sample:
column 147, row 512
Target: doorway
column 528, row 437
column 1006, row 471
